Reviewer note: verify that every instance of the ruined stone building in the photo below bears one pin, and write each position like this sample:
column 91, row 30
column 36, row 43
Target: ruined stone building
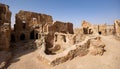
column 29, row 24
column 102, row 29
column 57, row 40
column 58, row 30
column 62, row 27
column 117, row 28
column 87, row 29
column 5, row 27
column 110, row 29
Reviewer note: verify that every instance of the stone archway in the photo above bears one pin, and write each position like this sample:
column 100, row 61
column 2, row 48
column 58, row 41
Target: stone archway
column 100, row 32
column 90, row 31
column 85, row 30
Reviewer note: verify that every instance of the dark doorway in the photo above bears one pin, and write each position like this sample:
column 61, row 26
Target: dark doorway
column 36, row 35
column 90, row 31
column 64, row 38
column 100, row 32
column 32, row 35
column 55, row 38
column 22, row 36
column 12, row 38
column 85, row 30
column 24, row 25
column 0, row 17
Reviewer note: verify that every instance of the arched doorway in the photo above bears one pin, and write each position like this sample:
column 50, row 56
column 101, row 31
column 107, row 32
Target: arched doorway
column 32, row 34
column 90, row 31
column 100, row 32
column 64, row 38
column 22, row 36
column 85, row 30
column 12, row 38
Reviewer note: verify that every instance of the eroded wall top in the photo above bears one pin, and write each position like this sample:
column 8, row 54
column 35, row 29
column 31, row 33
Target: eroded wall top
column 31, row 19
column 5, row 14
column 5, row 27
column 62, row 27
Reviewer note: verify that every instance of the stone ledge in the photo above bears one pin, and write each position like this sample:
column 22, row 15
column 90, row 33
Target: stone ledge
column 71, row 52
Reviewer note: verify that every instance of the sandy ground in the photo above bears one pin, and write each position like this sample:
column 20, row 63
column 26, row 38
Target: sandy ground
column 109, row 60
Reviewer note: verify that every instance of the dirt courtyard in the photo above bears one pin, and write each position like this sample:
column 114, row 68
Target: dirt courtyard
column 109, row 60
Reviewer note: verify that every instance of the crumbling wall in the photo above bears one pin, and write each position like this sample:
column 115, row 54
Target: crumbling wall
column 62, row 42
column 61, row 27
column 86, row 26
column 79, row 35
column 102, row 29
column 79, row 49
column 57, row 27
column 96, row 46
column 110, row 29
column 30, row 24
column 5, row 27
column 117, row 28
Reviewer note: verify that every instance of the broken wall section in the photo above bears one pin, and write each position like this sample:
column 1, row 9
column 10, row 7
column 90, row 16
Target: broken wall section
column 5, row 26
column 117, row 28
column 30, row 24
column 59, row 28
column 102, row 29
column 86, row 26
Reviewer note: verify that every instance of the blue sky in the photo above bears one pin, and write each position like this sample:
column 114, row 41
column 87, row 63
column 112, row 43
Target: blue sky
column 75, row 11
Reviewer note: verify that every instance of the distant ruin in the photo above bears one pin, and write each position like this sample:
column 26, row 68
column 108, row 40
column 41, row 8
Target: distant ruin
column 57, row 41
column 102, row 29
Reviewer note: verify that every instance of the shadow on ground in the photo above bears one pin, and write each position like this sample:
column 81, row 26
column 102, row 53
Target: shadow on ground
column 21, row 48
